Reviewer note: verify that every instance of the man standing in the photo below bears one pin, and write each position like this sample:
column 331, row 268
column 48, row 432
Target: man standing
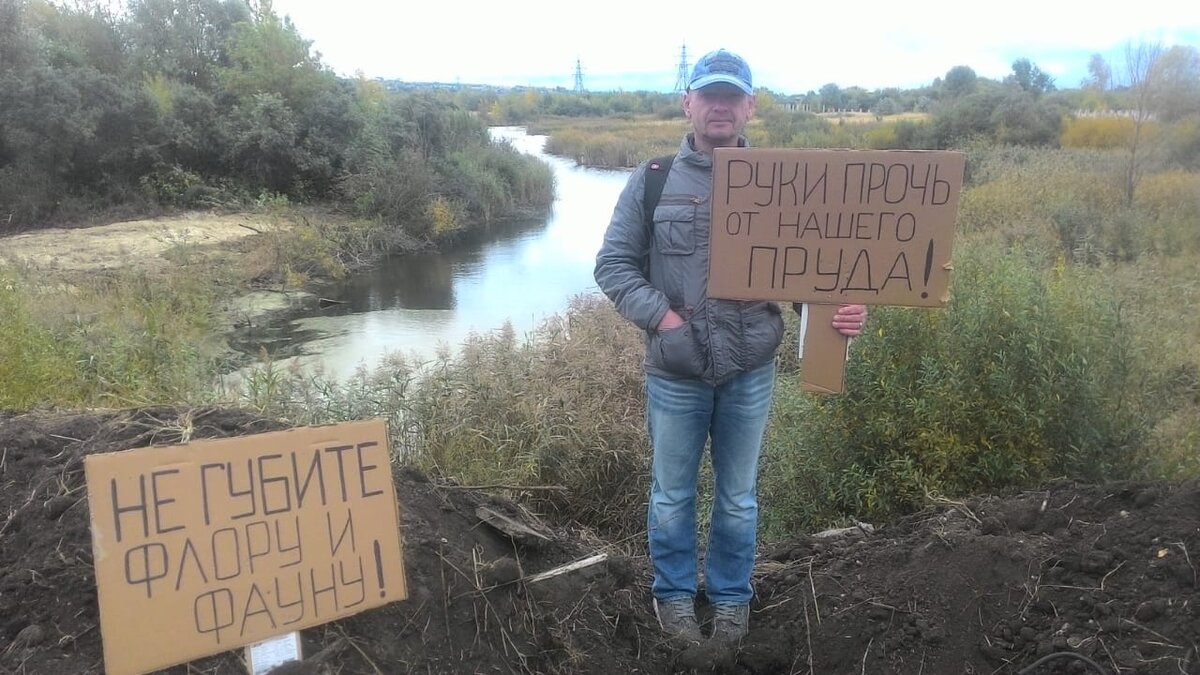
column 710, row 364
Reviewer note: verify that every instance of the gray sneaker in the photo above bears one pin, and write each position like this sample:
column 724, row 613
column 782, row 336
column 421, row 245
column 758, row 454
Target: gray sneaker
column 677, row 617
column 731, row 621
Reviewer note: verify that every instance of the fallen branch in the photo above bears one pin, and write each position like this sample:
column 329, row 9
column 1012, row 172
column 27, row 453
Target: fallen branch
column 859, row 528
column 569, row 567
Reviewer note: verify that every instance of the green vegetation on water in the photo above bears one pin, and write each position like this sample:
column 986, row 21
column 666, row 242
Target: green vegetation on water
column 1068, row 348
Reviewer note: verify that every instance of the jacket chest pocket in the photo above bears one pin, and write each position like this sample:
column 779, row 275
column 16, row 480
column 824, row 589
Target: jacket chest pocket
column 675, row 226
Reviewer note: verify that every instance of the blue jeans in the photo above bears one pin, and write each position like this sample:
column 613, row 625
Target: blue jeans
column 682, row 415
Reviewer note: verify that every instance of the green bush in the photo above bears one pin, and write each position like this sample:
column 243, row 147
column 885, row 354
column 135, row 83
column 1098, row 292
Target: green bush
column 496, row 180
column 28, row 194
column 1024, row 375
column 394, row 191
column 176, row 186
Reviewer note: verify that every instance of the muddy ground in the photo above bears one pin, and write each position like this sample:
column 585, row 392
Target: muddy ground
column 993, row 584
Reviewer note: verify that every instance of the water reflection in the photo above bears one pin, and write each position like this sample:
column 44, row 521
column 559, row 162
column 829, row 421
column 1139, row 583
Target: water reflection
column 521, row 272
column 425, row 280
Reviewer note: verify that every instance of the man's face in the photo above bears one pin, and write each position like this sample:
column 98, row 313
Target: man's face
column 718, row 113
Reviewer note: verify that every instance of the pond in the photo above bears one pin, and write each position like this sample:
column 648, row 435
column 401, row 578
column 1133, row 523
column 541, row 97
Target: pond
column 522, row 272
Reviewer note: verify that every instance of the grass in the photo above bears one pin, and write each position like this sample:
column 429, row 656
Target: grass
column 871, row 118
column 613, row 142
column 116, row 339
column 1160, row 295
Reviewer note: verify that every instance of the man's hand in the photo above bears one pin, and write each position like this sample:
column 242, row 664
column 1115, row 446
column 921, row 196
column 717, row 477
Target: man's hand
column 670, row 321
column 849, row 319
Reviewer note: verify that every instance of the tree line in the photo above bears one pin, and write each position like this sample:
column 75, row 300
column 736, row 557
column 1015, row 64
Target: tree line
column 1155, row 88
column 210, row 103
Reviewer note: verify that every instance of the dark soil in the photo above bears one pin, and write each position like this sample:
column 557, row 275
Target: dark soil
column 990, row 585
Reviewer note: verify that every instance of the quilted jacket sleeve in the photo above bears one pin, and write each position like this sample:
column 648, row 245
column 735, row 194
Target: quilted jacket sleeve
column 621, row 263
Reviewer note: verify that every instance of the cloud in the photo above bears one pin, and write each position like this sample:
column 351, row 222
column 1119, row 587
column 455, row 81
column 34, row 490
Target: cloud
column 792, row 48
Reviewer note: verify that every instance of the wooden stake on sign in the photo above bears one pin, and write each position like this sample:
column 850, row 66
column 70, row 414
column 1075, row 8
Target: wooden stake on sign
column 822, row 350
column 569, row 567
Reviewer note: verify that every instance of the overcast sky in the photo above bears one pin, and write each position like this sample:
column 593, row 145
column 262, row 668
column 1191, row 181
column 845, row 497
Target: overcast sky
column 794, row 48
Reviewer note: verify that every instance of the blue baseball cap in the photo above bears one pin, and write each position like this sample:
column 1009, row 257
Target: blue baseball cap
column 721, row 66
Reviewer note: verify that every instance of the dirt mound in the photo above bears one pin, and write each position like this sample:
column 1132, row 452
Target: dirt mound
column 989, row 585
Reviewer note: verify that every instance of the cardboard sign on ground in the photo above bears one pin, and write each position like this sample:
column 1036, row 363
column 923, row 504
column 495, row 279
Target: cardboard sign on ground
column 833, row 227
column 217, row 544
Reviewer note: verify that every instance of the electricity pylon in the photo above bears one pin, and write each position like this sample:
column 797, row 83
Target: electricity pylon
column 681, row 78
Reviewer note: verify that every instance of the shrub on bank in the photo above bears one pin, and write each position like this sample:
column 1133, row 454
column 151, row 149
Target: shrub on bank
column 1026, row 374
column 562, row 408
column 608, row 148
column 482, row 182
column 495, row 180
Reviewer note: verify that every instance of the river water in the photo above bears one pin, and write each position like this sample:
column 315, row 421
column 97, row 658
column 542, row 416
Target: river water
column 523, row 272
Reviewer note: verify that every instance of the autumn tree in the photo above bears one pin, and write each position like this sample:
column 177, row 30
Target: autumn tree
column 1142, row 79
column 831, row 97
column 1100, row 74
column 1177, row 84
column 959, row 81
column 1030, row 78
column 1094, row 89
column 183, row 41
column 267, row 55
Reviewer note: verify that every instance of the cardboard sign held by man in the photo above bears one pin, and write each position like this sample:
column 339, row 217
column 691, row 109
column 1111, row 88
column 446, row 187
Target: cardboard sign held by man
column 832, row 227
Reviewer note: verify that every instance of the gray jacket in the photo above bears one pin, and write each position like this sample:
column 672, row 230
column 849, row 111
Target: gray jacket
column 645, row 272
